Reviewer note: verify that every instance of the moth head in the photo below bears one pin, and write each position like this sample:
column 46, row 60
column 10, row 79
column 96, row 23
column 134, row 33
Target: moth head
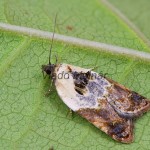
column 48, row 69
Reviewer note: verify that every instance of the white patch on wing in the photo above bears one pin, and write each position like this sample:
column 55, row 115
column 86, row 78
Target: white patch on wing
column 96, row 89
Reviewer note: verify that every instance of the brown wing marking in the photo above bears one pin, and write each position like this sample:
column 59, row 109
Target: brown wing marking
column 106, row 119
column 126, row 102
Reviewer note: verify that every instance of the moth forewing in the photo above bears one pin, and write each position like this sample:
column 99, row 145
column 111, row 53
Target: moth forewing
column 110, row 122
column 105, row 103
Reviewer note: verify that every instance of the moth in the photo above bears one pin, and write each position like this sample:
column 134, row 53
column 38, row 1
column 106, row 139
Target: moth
column 105, row 103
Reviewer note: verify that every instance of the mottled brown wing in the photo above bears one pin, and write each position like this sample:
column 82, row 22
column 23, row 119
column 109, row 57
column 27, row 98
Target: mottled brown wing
column 126, row 102
column 106, row 119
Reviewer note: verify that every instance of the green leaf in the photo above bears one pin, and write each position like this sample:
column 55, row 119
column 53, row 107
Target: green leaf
column 138, row 13
column 29, row 119
column 92, row 20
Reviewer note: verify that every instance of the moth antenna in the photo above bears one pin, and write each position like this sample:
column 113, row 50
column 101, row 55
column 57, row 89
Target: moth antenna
column 52, row 41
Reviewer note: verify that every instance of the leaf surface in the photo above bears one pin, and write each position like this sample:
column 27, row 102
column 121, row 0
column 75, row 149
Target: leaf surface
column 138, row 13
column 29, row 119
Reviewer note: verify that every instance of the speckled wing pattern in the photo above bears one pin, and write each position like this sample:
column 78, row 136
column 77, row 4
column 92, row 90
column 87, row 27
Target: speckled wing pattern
column 105, row 103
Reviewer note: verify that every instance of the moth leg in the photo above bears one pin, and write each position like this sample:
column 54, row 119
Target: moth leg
column 50, row 89
column 70, row 113
column 48, row 93
column 44, row 76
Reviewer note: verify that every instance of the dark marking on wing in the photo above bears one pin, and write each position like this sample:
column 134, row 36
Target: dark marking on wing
column 136, row 97
column 79, row 91
column 89, row 88
column 80, row 81
column 69, row 68
column 107, row 119
column 126, row 102
column 118, row 130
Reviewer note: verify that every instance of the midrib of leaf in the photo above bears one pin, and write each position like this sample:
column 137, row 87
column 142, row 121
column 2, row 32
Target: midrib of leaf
column 95, row 4
column 98, row 1
column 13, row 55
column 75, row 41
